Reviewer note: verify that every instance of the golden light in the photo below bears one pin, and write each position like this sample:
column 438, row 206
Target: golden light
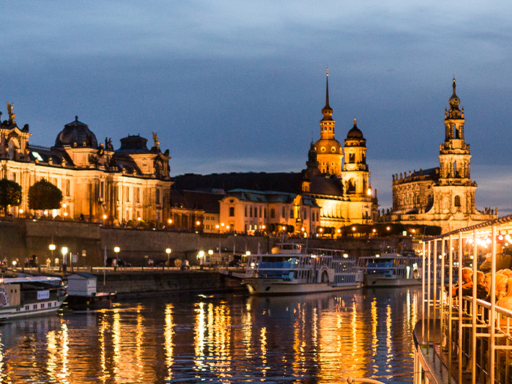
column 52, row 247
column 284, row 228
column 248, row 253
column 21, row 210
column 169, row 221
column 45, row 213
column 388, row 228
column 217, row 226
column 210, row 252
column 64, row 251
column 353, row 228
column 201, row 254
column 65, row 213
column 221, row 224
column 345, row 255
column 63, row 205
column 413, row 231
column 14, row 263
column 321, row 229
column 374, row 230
column 227, row 226
column 263, row 227
column 104, row 217
column 369, row 192
column 198, row 222
column 117, row 249
column 168, row 250
column 138, row 218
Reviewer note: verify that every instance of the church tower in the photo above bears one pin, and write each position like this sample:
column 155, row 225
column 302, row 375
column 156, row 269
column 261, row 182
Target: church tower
column 330, row 152
column 454, row 192
column 355, row 170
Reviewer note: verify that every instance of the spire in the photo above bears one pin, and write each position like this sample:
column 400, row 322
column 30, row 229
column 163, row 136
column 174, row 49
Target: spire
column 327, row 88
column 327, row 110
column 454, row 102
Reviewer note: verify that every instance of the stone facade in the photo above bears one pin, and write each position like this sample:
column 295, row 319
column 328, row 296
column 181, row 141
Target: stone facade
column 443, row 196
column 97, row 182
column 273, row 212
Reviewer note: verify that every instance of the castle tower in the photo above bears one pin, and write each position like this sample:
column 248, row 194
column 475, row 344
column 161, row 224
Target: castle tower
column 455, row 191
column 355, row 170
column 330, row 152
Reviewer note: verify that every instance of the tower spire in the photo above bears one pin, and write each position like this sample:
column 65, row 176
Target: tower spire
column 327, row 88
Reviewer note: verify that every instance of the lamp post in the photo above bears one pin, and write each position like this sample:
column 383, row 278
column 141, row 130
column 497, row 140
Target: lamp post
column 52, row 248
column 117, row 250
column 168, row 251
column 64, row 251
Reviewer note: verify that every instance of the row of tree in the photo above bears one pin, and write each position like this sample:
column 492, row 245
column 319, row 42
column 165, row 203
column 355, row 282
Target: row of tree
column 42, row 195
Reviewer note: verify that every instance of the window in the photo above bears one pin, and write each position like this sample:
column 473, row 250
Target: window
column 42, row 305
column 231, row 211
column 34, row 306
column 245, row 211
column 352, row 158
column 250, row 212
column 27, row 307
column 137, row 195
column 272, row 213
column 157, row 197
column 291, row 213
column 127, row 194
column 305, row 214
column 457, row 201
column 265, row 215
column 283, row 213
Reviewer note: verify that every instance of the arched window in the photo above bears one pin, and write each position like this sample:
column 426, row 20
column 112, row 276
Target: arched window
column 457, row 201
column 231, row 211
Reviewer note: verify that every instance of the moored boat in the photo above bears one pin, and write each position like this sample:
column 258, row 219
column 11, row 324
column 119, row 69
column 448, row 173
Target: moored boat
column 289, row 271
column 26, row 296
column 390, row 270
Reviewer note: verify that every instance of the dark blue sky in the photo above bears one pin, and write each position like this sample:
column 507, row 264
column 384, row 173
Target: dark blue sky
column 239, row 86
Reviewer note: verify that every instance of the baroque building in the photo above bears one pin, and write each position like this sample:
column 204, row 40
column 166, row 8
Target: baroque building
column 443, row 196
column 340, row 182
column 97, row 181
column 326, row 196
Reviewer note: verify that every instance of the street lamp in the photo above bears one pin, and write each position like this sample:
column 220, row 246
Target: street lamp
column 168, row 251
column 64, row 251
column 200, row 256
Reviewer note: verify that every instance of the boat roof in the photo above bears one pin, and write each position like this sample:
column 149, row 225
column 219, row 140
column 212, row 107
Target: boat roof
column 387, row 256
column 31, row 279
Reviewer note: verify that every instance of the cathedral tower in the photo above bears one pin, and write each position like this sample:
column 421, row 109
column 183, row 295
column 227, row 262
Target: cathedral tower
column 355, row 170
column 330, row 152
column 455, row 190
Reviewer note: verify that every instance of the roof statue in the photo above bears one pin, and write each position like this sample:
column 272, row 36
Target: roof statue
column 155, row 139
column 12, row 116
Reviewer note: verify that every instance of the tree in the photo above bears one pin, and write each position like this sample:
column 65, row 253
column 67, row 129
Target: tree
column 10, row 194
column 44, row 195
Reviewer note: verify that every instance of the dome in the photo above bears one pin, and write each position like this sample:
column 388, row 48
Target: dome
column 355, row 133
column 76, row 132
column 328, row 147
column 133, row 144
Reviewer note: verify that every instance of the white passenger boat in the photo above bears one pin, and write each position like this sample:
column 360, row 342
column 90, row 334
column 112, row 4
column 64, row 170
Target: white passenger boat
column 30, row 296
column 390, row 270
column 289, row 271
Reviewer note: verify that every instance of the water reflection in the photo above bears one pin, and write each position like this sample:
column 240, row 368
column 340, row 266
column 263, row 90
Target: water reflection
column 315, row 338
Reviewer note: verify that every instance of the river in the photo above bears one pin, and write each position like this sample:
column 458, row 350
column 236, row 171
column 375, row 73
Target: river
column 228, row 338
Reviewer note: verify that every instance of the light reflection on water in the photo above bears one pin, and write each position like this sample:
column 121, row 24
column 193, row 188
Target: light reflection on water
column 223, row 338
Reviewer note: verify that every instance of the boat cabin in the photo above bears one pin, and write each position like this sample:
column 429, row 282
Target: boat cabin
column 82, row 284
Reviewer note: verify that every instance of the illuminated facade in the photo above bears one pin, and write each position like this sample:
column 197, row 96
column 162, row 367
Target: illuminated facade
column 254, row 211
column 442, row 196
column 341, row 188
column 97, row 182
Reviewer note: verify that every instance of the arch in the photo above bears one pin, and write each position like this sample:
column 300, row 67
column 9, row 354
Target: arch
column 456, row 201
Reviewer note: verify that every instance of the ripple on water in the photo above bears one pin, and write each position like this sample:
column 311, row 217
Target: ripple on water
column 308, row 339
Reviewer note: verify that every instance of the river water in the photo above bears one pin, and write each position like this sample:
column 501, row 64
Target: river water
column 320, row 338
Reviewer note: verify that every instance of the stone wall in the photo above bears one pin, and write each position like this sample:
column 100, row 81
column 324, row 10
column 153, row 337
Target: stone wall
column 174, row 281
column 20, row 238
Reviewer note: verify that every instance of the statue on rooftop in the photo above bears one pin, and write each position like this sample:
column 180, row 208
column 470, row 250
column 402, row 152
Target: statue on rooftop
column 155, row 139
column 12, row 116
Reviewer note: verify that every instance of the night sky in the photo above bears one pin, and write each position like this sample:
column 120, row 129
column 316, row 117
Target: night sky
column 239, row 85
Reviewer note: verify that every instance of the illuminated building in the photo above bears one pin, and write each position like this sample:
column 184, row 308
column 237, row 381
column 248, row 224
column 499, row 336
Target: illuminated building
column 443, row 196
column 97, row 182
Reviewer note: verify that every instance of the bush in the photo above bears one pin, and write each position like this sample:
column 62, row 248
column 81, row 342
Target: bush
column 10, row 194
